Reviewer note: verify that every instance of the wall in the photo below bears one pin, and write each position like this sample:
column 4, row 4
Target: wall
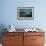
column 8, row 13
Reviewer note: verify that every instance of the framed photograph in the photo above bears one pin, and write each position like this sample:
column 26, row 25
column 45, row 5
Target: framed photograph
column 25, row 13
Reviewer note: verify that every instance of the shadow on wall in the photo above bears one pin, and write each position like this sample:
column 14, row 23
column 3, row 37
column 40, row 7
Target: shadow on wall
column 2, row 26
